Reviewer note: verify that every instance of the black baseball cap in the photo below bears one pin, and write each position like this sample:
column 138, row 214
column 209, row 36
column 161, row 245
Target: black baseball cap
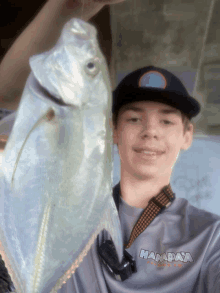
column 154, row 84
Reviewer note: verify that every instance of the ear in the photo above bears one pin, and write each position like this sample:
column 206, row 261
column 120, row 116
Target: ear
column 115, row 136
column 114, row 131
column 188, row 138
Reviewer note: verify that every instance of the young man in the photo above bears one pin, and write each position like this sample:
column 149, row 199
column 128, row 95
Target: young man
column 150, row 134
column 176, row 246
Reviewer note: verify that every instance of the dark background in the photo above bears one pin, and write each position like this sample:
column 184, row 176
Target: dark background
column 15, row 15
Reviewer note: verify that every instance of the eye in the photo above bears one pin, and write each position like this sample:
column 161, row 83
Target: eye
column 92, row 67
column 167, row 122
column 133, row 119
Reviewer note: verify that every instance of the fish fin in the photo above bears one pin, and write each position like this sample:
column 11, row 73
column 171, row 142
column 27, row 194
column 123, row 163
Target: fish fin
column 49, row 115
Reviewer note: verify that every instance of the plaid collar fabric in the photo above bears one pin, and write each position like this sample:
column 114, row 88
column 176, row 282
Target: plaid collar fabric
column 155, row 206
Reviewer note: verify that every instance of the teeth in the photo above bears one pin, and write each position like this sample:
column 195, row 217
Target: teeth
column 151, row 153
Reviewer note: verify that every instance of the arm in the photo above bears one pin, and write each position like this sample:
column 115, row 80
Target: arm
column 41, row 35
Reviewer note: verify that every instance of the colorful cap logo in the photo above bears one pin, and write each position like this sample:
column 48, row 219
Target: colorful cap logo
column 153, row 79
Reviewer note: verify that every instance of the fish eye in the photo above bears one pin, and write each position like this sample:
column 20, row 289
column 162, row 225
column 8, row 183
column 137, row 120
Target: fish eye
column 92, row 67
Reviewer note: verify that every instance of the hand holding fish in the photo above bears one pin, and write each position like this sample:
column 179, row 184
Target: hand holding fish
column 85, row 8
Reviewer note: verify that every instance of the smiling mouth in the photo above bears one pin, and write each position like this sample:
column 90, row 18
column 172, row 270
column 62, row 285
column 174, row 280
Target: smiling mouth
column 149, row 153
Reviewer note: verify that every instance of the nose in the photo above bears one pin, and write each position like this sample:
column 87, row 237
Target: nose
column 150, row 128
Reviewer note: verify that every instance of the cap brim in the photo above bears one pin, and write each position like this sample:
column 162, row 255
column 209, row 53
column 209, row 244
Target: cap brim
column 187, row 104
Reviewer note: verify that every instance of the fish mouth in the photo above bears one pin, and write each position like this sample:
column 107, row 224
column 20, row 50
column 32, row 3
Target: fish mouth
column 80, row 29
column 82, row 34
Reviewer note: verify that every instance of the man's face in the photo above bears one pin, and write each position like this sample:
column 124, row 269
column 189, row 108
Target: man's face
column 150, row 126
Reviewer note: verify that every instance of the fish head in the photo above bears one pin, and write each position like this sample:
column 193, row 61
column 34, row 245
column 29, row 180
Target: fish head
column 75, row 68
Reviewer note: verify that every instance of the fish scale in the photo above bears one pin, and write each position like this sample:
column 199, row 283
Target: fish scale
column 56, row 174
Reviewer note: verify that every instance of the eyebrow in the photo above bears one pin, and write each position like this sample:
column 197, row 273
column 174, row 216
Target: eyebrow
column 163, row 111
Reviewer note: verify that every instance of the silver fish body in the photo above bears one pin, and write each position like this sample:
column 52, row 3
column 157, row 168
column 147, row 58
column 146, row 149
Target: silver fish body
column 56, row 172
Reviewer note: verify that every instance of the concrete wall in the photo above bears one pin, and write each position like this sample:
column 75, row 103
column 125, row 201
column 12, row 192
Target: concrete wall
column 182, row 36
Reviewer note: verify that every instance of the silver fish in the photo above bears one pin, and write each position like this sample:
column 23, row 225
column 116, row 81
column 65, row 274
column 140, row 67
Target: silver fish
column 56, row 172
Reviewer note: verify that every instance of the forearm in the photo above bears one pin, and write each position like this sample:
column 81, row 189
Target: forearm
column 41, row 35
